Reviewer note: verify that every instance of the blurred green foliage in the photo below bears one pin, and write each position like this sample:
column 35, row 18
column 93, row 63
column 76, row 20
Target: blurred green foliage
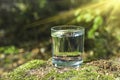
column 27, row 22
column 9, row 50
column 96, row 24
column 90, row 16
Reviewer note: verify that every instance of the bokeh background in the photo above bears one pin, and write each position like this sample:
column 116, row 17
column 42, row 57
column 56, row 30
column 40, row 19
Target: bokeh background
column 25, row 28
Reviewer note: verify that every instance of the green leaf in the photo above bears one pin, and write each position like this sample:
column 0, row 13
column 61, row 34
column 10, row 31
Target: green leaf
column 91, row 33
column 98, row 20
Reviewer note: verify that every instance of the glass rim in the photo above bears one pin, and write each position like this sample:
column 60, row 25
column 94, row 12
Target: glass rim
column 65, row 27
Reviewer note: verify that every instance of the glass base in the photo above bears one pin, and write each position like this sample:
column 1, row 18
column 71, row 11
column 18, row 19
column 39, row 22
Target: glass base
column 63, row 63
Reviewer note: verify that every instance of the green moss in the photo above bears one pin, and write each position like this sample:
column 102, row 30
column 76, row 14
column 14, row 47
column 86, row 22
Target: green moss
column 85, row 72
column 59, row 76
column 20, row 72
column 90, row 73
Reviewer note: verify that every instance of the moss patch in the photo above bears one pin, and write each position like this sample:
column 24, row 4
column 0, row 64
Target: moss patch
column 41, row 70
column 20, row 72
column 83, row 73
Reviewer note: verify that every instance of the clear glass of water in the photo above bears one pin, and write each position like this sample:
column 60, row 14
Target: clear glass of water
column 67, row 45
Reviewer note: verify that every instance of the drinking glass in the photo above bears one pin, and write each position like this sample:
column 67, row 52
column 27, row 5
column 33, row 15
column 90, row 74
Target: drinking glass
column 67, row 45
